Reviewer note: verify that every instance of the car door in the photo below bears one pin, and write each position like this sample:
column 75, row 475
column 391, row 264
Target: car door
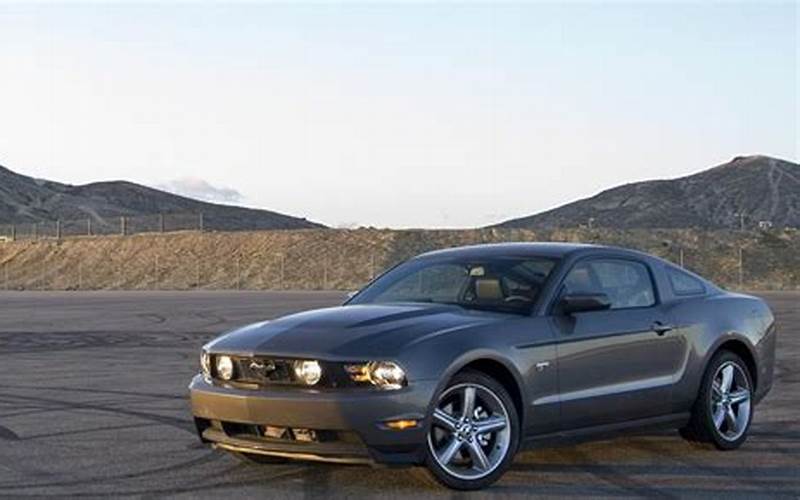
column 614, row 365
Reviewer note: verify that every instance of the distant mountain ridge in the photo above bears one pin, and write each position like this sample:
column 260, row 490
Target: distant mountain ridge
column 24, row 199
column 748, row 189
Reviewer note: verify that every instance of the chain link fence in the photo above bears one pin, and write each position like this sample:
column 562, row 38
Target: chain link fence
column 348, row 259
column 122, row 225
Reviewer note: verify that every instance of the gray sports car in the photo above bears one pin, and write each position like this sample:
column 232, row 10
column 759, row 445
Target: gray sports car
column 458, row 358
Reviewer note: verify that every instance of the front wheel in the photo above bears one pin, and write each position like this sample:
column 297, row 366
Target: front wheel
column 724, row 408
column 474, row 432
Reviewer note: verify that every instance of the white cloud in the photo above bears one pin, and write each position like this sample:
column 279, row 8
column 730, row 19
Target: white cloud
column 199, row 189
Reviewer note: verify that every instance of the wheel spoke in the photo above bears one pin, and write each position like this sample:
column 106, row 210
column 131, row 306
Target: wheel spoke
column 727, row 379
column 719, row 416
column 479, row 459
column 739, row 396
column 469, row 402
column 446, row 455
column 443, row 419
column 490, row 424
column 717, row 392
column 730, row 419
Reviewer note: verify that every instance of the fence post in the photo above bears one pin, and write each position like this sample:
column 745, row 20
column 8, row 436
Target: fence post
column 58, row 230
column 161, row 227
column 325, row 274
column 201, row 221
column 198, row 273
column 155, row 273
column 681, row 256
column 238, row 273
column 372, row 267
column 283, row 270
column 35, row 230
column 88, row 227
column 741, row 269
column 80, row 274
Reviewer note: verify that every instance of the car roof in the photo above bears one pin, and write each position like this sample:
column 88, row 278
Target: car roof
column 542, row 249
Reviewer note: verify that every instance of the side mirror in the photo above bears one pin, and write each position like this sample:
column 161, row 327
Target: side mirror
column 584, row 302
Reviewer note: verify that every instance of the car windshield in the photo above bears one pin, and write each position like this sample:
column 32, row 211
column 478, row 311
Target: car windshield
column 503, row 284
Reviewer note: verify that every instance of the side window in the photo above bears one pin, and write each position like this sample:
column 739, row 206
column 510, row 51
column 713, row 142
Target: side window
column 684, row 283
column 627, row 283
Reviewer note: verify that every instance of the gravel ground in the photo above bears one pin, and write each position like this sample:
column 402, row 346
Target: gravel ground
column 93, row 403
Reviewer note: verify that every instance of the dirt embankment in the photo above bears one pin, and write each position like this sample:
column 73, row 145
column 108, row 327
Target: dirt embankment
column 346, row 259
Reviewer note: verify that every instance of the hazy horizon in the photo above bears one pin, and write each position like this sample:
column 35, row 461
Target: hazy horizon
column 395, row 116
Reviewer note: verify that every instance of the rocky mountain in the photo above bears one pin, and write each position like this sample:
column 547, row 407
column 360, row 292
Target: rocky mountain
column 748, row 190
column 24, row 199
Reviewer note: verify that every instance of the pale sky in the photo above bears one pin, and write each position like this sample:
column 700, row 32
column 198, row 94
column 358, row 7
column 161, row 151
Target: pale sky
column 404, row 115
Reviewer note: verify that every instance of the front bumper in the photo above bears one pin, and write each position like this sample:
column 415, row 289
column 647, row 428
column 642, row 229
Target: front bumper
column 353, row 421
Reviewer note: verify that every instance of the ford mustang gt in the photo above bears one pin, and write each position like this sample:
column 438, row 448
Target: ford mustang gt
column 457, row 359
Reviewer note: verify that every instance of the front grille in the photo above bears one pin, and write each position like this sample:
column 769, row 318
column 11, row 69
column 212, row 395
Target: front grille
column 263, row 371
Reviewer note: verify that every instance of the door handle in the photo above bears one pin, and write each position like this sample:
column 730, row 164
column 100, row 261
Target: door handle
column 661, row 328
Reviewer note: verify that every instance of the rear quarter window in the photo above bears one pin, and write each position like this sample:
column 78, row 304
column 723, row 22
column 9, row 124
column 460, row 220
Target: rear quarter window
column 685, row 284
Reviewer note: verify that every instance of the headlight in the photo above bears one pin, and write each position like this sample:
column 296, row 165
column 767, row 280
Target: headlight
column 383, row 374
column 307, row 371
column 224, row 367
column 205, row 363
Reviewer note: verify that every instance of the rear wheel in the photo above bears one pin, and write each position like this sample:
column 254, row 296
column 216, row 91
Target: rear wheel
column 474, row 432
column 724, row 409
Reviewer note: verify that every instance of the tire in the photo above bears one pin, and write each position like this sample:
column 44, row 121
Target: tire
column 457, row 455
column 711, row 424
column 258, row 459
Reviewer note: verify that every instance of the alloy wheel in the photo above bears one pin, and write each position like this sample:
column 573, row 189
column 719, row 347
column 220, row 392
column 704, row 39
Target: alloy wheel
column 470, row 432
column 730, row 401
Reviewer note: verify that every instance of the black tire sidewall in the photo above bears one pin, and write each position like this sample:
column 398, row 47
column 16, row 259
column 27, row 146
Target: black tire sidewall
column 441, row 475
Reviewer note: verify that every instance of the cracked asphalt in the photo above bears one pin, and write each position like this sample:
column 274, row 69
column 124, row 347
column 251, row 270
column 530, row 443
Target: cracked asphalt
column 93, row 403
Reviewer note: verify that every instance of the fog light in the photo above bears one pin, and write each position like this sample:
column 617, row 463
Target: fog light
column 304, row 435
column 401, row 425
column 224, row 367
column 308, row 371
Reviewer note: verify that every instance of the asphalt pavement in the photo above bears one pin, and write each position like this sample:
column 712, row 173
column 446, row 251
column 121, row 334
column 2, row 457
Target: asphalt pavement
column 93, row 402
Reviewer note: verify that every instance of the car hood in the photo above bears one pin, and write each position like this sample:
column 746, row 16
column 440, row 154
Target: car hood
column 350, row 332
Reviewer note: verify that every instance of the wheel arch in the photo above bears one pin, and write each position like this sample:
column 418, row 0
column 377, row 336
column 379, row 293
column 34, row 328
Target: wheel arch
column 493, row 365
column 739, row 346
